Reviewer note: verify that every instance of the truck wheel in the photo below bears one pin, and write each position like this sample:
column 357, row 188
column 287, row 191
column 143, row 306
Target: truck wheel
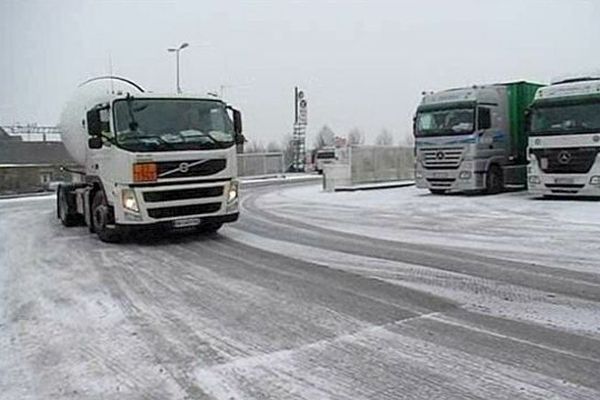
column 101, row 218
column 494, row 180
column 437, row 191
column 209, row 228
column 63, row 209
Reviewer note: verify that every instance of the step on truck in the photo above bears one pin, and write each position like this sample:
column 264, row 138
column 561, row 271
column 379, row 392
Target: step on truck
column 148, row 161
column 564, row 139
column 473, row 139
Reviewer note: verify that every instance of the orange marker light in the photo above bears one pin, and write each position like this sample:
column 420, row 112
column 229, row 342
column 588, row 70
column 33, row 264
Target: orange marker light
column 144, row 172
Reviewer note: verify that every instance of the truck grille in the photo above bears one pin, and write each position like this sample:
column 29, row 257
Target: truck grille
column 569, row 160
column 196, row 209
column 182, row 194
column 441, row 158
column 189, row 168
column 441, row 183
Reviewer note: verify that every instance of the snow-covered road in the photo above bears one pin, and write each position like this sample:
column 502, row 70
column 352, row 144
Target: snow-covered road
column 389, row 294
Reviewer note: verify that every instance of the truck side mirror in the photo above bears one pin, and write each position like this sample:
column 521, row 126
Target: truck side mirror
column 94, row 124
column 527, row 120
column 95, row 142
column 237, row 121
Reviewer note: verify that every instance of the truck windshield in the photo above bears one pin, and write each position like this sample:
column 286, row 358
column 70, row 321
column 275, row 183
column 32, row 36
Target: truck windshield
column 172, row 124
column 565, row 118
column 453, row 121
column 321, row 155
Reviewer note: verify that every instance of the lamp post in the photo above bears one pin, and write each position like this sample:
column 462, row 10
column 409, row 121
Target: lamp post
column 176, row 51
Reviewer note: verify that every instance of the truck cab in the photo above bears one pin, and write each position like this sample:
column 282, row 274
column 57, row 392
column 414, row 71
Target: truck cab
column 324, row 156
column 151, row 161
column 472, row 139
column 564, row 139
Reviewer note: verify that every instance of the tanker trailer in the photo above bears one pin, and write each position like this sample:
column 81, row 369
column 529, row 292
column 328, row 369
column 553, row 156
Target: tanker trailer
column 148, row 161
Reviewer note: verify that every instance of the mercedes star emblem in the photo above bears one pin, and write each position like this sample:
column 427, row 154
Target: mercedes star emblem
column 439, row 155
column 564, row 157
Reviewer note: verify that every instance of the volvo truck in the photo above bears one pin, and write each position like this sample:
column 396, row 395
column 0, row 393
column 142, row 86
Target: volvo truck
column 564, row 139
column 148, row 161
column 473, row 139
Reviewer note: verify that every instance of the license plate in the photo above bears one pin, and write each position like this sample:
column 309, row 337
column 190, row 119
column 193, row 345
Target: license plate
column 440, row 174
column 186, row 223
column 564, row 181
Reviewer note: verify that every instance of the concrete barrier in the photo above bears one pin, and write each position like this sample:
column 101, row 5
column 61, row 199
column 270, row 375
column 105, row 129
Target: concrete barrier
column 370, row 165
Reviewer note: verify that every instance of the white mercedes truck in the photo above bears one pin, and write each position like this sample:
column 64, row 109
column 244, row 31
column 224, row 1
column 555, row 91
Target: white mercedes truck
column 473, row 139
column 564, row 139
column 149, row 161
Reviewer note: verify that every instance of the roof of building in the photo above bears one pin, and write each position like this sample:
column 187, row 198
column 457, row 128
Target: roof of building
column 17, row 152
column 5, row 136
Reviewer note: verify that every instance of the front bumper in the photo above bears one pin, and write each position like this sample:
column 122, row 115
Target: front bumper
column 462, row 179
column 167, row 226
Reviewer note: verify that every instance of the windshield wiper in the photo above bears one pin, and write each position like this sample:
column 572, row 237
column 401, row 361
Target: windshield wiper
column 154, row 140
column 216, row 141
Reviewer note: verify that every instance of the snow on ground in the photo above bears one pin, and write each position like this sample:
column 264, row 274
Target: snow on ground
column 562, row 233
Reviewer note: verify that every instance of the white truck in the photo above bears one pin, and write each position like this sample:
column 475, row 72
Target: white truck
column 564, row 139
column 324, row 156
column 149, row 161
column 473, row 139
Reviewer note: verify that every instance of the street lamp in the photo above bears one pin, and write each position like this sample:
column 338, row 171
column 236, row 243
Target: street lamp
column 176, row 51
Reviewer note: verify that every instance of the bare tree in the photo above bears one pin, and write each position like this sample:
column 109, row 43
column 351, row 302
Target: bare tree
column 254, row 147
column 385, row 138
column 273, row 147
column 325, row 137
column 407, row 140
column 287, row 146
column 355, row 136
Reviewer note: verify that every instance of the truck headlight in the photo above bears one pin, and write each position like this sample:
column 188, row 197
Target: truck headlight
column 129, row 200
column 595, row 180
column 465, row 175
column 535, row 180
column 232, row 195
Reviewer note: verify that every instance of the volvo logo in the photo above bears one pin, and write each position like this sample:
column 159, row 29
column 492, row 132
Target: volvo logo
column 439, row 155
column 184, row 167
column 564, row 157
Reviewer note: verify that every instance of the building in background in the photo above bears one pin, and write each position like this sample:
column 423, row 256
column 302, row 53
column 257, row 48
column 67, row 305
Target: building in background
column 31, row 166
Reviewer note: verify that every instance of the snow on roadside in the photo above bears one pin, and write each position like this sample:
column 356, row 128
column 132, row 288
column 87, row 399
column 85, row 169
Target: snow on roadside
column 561, row 233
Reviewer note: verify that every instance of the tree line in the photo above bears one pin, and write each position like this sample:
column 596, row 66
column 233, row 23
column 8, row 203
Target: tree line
column 327, row 137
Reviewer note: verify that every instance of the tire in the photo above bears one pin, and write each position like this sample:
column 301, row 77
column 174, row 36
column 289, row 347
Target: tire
column 64, row 209
column 102, row 217
column 437, row 191
column 494, row 181
column 210, row 228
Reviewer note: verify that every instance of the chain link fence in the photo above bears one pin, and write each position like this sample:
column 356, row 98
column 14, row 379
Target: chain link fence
column 257, row 164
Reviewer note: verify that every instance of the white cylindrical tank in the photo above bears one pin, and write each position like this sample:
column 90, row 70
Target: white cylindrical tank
column 73, row 124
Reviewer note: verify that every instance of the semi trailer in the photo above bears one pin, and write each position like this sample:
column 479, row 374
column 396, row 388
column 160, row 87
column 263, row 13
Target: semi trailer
column 473, row 139
column 148, row 161
column 564, row 139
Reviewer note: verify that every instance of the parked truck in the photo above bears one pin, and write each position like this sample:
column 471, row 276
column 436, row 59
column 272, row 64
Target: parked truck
column 149, row 161
column 473, row 139
column 564, row 139
column 324, row 156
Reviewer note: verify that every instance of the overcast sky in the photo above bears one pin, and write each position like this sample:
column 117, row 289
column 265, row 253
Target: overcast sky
column 362, row 64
